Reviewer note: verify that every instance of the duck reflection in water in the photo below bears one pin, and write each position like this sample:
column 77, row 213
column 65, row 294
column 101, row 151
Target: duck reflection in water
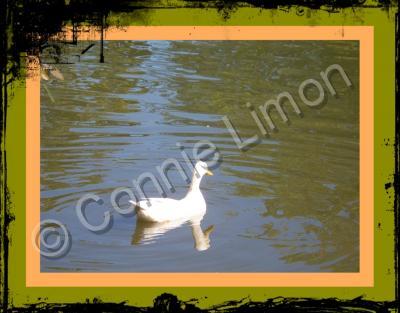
column 148, row 232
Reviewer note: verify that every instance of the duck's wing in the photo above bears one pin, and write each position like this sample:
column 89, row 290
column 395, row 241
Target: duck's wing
column 158, row 203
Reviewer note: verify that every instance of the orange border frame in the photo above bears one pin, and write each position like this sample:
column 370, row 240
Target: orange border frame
column 365, row 277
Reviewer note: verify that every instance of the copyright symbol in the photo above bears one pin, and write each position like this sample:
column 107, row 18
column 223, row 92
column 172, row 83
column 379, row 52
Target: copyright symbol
column 42, row 235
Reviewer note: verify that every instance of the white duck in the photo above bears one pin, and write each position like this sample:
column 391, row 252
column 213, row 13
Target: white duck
column 167, row 210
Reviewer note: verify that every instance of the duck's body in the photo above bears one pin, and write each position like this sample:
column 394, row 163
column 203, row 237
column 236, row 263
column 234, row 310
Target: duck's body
column 166, row 210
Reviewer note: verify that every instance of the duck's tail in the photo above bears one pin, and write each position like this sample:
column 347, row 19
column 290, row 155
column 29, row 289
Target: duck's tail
column 137, row 207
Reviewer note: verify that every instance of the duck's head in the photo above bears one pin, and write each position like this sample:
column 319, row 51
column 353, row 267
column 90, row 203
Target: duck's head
column 201, row 169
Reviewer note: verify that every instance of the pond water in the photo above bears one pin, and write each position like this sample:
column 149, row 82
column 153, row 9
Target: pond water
column 288, row 203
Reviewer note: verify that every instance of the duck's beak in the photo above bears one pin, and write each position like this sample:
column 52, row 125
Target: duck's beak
column 209, row 173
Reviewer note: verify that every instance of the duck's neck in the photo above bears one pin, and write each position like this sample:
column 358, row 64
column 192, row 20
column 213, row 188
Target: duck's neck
column 195, row 185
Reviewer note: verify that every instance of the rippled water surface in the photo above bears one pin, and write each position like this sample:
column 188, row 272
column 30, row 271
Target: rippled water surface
column 289, row 203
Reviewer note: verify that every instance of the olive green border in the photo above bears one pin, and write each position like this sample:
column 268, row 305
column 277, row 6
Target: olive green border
column 384, row 32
